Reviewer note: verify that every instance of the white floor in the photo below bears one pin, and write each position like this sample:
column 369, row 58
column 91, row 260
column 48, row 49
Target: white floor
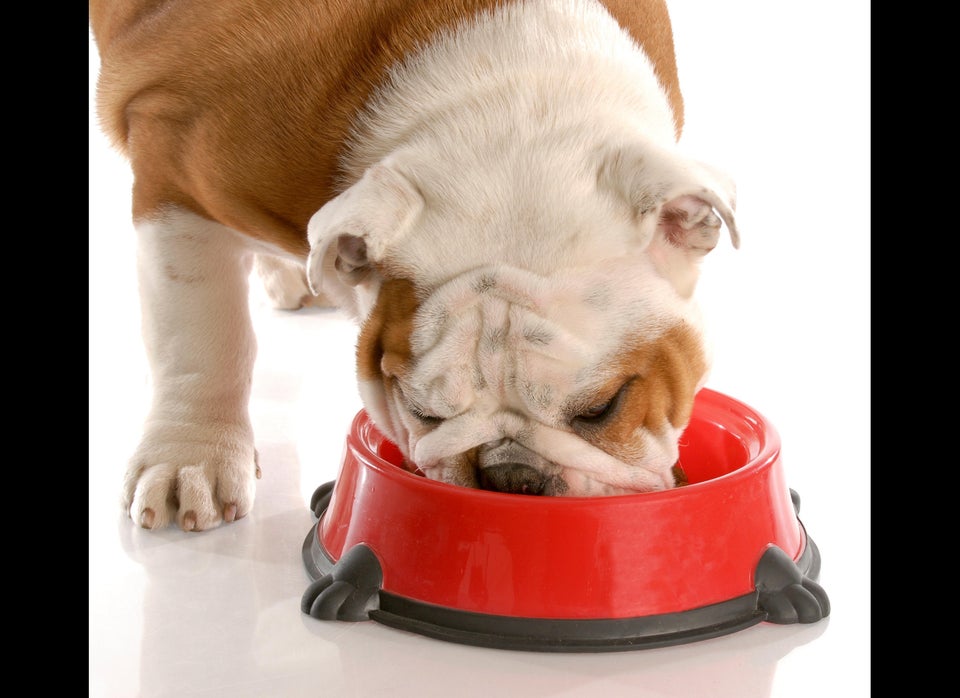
column 776, row 93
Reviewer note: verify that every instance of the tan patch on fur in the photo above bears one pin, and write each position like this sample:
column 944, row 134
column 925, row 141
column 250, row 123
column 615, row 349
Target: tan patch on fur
column 648, row 22
column 679, row 476
column 663, row 375
column 383, row 347
column 239, row 111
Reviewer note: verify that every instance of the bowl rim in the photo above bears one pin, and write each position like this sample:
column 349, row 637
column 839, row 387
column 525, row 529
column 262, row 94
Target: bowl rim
column 768, row 442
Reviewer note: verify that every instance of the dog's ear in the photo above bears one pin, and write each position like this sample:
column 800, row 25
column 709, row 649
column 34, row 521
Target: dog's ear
column 671, row 194
column 676, row 203
column 352, row 232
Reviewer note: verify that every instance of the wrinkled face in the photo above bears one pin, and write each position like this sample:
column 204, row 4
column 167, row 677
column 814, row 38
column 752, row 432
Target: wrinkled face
column 579, row 384
column 527, row 323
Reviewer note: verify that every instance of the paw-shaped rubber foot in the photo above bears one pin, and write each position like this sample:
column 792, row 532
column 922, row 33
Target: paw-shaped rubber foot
column 350, row 591
column 786, row 595
column 321, row 498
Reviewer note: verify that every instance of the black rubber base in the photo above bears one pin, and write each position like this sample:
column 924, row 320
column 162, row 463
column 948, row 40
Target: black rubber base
column 350, row 589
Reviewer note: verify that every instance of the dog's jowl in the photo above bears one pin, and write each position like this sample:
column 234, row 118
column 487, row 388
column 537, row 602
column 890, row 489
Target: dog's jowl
column 491, row 188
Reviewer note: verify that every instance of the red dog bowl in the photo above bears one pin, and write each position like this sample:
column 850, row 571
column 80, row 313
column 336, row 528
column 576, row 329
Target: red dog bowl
column 720, row 554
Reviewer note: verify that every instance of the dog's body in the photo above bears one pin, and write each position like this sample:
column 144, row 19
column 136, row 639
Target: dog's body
column 490, row 187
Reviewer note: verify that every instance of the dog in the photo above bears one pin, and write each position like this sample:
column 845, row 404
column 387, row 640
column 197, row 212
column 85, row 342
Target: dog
column 492, row 189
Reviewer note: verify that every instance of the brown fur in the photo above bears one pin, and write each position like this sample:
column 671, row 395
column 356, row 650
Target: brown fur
column 238, row 111
column 663, row 372
column 384, row 341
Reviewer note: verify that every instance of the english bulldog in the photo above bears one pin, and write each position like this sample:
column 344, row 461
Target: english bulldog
column 493, row 189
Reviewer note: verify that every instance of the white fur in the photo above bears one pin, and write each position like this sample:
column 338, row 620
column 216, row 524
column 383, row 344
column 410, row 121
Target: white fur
column 546, row 164
column 197, row 444
column 534, row 142
column 500, row 352
column 542, row 67
column 513, row 143
column 377, row 211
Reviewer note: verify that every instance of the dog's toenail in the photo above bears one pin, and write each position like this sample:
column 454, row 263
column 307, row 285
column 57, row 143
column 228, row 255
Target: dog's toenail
column 230, row 513
column 146, row 518
column 189, row 521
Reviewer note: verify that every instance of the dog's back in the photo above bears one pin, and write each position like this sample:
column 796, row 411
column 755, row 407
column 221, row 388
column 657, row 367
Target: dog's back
column 239, row 112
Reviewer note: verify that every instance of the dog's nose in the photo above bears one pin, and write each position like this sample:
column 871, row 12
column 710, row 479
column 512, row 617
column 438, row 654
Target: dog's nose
column 513, row 478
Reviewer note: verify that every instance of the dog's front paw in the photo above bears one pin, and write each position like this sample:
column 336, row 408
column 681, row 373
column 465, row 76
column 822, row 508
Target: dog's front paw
column 195, row 475
column 286, row 285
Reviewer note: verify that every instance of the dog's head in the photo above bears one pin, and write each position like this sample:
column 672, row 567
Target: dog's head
column 530, row 333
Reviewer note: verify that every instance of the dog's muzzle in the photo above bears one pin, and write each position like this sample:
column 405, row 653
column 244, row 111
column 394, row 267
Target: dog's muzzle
column 507, row 466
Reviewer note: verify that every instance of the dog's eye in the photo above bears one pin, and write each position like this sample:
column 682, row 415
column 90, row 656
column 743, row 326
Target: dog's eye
column 601, row 410
column 595, row 412
column 423, row 417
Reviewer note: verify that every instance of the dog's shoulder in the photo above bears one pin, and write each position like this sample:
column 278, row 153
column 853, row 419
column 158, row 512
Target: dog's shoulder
column 240, row 111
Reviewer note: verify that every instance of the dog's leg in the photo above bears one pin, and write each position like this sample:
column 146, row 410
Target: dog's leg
column 196, row 462
column 285, row 282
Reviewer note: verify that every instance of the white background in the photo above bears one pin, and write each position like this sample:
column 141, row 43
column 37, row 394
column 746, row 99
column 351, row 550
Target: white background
column 778, row 94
